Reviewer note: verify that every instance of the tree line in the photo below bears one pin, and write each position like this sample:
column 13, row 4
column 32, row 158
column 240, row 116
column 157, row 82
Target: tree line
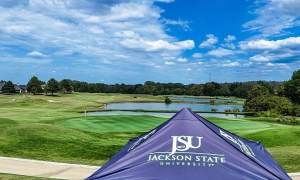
column 266, row 98
column 284, row 100
column 237, row 89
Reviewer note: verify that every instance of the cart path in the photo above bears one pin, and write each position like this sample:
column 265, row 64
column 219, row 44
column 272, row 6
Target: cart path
column 46, row 169
column 56, row 170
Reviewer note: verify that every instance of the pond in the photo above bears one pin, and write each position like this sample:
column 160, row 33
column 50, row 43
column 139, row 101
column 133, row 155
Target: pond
column 163, row 114
column 172, row 106
column 202, row 99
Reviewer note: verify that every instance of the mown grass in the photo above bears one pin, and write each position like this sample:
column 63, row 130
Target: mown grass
column 34, row 127
column 19, row 177
column 113, row 123
column 55, row 143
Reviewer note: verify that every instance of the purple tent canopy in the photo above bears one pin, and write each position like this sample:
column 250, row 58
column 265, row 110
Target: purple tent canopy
column 188, row 147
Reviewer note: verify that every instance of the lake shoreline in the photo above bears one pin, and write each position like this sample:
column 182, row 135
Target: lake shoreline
column 167, row 111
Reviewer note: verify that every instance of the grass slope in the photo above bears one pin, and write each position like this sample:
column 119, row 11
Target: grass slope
column 19, row 177
column 34, row 127
column 113, row 123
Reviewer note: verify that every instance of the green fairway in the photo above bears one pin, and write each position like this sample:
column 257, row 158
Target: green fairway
column 19, row 177
column 50, row 128
column 143, row 123
column 113, row 123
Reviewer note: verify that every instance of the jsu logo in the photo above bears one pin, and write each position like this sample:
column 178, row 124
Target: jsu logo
column 184, row 143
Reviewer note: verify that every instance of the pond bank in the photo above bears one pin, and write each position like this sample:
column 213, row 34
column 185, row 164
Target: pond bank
column 167, row 111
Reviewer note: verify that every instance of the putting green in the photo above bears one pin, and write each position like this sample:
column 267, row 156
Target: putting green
column 113, row 123
column 143, row 123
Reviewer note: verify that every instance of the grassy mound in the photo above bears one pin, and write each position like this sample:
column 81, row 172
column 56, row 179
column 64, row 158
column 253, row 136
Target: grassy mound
column 54, row 143
column 49, row 128
column 113, row 123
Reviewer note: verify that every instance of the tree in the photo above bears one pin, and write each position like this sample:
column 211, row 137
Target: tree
column 8, row 87
column 66, row 86
column 46, row 88
column 224, row 91
column 196, row 90
column 266, row 85
column 257, row 91
column 177, row 91
column 279, row 91
column 53, row 86
column 209, row 89
column 292, row 88
column 240, row 91
column 261, row 103
column 34, row 85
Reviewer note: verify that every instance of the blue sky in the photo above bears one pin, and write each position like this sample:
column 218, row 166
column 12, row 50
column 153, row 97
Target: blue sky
column 132, row 41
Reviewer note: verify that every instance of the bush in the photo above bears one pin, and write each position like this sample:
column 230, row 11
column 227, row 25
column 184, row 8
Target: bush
column 287, row 120
column 269, row 102
column 212, row 102
column 168, row 100
column 270, row 113
column 236, row 109
column 296, row 110
column 213, row 109
column 227, row 110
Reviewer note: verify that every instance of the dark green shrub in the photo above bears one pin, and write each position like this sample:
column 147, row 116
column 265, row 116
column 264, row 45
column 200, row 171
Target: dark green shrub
column 269, row 102
column 270, row 113
column 168, row 100
column 212, row 102
column 296, row 110
column 236, row 109
column 227, row 110
column 213, row 109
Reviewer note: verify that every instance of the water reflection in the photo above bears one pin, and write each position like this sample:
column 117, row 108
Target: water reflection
column 163, row 114
column 172, row 106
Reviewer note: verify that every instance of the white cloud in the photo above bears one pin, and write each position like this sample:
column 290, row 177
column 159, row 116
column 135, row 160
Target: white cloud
column 230, row 38
column 284, row 50
column 157, row 45
column 121, row 56
column 189, row 69
column 278, row 65
column 274, row 17
column 183, row 24
column 267, row 56
column 127, row 34
column 231, row 64
column 265, row 71
column 262, row 44
column 169, row 58
column 228, row 42
column 125, row 11
column 260, row 58
column 99, row 32
column 182, row 60
column 209, row 43
column 220, row 52
column 229, row 45
column 36, row 54
column 169, row 63
column 197, row 55
column 167, row 1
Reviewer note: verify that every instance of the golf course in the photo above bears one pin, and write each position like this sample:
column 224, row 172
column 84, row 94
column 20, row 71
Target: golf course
column 52, row 128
